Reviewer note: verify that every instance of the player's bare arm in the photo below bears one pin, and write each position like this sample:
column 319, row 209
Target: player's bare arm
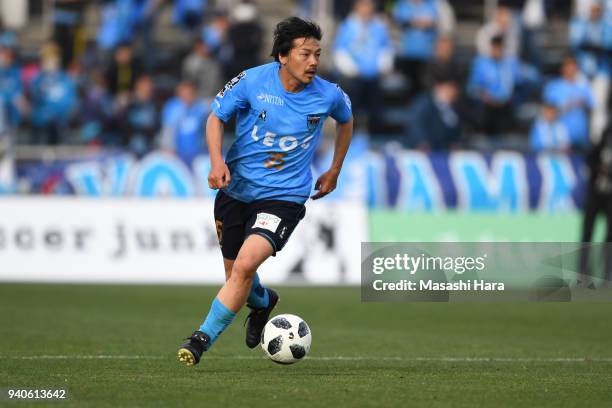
column 219, row 176
column 326, row 183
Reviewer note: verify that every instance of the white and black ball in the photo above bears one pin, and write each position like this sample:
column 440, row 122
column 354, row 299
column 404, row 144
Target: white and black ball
column 286, row 339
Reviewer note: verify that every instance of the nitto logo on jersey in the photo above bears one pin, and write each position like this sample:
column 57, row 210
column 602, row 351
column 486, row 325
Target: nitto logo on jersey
column 267, row 221
column 274, row 100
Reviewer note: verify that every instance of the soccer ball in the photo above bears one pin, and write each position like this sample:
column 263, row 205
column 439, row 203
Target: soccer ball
column 286, row 339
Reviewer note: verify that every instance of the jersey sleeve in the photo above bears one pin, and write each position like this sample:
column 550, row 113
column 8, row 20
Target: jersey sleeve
column 232, row 97
column 341, row 109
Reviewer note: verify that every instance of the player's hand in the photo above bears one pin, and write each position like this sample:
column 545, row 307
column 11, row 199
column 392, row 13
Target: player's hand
column 219, row 176
column 326, row 183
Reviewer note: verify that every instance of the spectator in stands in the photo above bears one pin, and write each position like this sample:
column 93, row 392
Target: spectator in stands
column 140, row 119
column 582, row 8
column 214, row 35
column 491, row 83
column 91, row 60
column 513, row 4
column 78, row 75
column 189, row 14
column 145, row 14
column 341, row 8
column 245, row 38
column 446, row 20
column 533, row 33
column 444, row 61
column 573, row 99
column 145, row 11
column 418, row 20
column 96, row 112
column 434, row 122
column 53, row 97
column 548, row 132
column 183, row 122
column 123, row 70
column 591, row 40
column 607, row 12
column 201, row 68
column 67, row 28
column 362, row 52
column 305, row 10
column 11, row 88
column 116, row 25
column 503, row 24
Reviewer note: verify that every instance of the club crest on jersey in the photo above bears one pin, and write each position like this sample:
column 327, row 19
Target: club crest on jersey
column 313, row 122
column 263, row 115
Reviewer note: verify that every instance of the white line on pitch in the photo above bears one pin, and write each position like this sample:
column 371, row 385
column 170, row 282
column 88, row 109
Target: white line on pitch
column 330, row 358
column 83, row 357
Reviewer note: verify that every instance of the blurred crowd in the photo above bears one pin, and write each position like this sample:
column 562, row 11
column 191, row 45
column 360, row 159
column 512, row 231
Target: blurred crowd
column 502, row 94
column 115, row 88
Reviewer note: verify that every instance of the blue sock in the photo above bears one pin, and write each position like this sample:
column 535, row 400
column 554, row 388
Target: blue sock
column 219, row 317
column 258, row 297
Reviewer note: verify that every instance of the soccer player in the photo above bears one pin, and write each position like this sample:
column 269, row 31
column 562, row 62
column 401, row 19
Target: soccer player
column 266, row 179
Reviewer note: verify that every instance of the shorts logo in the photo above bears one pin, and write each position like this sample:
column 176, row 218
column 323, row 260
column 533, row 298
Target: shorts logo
column 267, row 221
column 282, row 233
column 313, row 121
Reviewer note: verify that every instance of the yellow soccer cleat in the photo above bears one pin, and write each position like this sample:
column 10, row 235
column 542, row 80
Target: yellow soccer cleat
column 192, row 350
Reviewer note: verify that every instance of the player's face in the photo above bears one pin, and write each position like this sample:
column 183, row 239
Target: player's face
column 302, row 61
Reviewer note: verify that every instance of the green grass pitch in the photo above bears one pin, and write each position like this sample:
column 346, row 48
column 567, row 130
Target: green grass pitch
column 113, row 346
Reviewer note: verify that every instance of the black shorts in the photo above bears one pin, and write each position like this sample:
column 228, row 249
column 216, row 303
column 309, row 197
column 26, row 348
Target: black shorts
column 235, row 220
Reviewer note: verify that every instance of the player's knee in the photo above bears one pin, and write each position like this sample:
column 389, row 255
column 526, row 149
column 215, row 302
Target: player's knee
column 243, row 270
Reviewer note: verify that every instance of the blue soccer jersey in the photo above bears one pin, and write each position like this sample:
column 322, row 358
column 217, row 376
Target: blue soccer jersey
column 277, row 132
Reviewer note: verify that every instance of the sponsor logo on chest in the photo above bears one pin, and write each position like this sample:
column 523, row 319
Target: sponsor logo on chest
column 272, row 99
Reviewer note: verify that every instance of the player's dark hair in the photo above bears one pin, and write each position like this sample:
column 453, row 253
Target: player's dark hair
column 288, row 30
